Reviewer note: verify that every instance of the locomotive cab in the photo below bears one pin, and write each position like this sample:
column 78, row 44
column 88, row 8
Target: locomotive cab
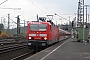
column 38, row 34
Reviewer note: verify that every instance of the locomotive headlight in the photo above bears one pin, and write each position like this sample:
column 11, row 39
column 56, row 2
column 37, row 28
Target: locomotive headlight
column 29, row 37
column 45, row 38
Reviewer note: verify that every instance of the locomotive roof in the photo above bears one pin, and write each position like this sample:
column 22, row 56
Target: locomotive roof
column 39, row 23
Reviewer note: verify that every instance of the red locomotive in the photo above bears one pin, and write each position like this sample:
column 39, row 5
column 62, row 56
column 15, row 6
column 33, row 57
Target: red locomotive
column 43, row 34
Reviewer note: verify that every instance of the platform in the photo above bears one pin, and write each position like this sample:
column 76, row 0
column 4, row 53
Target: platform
column 68, row 50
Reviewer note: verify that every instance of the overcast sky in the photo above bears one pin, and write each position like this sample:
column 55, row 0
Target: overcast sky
column 30, row 8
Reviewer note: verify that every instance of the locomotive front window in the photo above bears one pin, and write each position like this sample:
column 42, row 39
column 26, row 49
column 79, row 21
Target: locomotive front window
column 33, row 27
column 41, row 27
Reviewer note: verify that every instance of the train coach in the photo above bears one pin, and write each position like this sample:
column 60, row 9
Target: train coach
column 42, row 34
column 63, row 34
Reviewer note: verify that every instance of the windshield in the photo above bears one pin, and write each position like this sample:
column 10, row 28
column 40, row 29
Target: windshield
column 40, row 27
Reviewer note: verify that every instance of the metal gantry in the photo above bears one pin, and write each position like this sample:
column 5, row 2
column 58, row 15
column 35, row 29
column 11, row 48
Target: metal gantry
column 80, row 12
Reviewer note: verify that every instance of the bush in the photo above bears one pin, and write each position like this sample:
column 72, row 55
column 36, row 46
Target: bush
column 4, row 35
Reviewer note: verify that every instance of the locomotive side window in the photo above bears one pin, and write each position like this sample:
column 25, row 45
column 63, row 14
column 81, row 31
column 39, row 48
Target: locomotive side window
column 40, row 27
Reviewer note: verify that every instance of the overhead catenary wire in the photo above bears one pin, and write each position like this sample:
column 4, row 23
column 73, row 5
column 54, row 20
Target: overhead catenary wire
column 4, row 7
column 36, row 6
column 54, row 12
column 13, row 21
column 61, row 17
column 12, row 8
column 25, row 8
column 3, row 2
column 45, row 6
column 16, row 8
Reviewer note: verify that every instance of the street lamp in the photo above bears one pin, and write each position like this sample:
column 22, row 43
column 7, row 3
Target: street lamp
column 84, row 26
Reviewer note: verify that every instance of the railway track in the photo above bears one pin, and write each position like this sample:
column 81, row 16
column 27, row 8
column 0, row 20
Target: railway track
column 23, row 56
column 16, row 52
column 11, row 48
column 4, row 42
